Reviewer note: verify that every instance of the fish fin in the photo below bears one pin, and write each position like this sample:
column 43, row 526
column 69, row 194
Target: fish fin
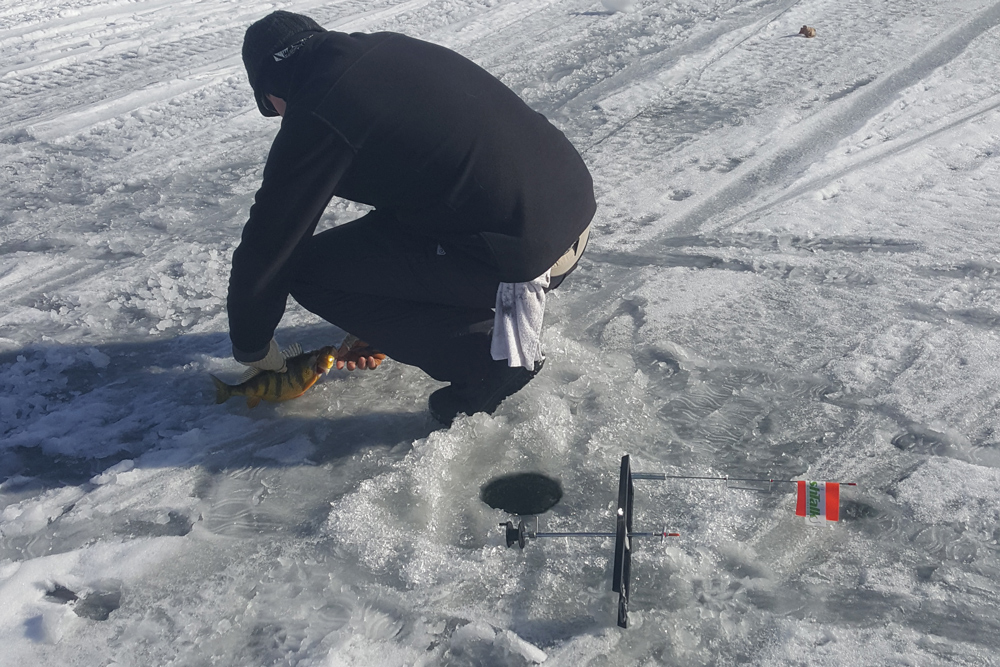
column 292, row 350
column 253, row 401
column 248, row 375
column 222, row 390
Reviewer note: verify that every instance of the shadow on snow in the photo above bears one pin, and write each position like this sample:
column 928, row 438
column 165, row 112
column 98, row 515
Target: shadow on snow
column 69, row 412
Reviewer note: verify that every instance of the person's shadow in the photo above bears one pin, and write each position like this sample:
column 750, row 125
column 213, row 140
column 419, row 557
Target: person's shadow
column 70, row 412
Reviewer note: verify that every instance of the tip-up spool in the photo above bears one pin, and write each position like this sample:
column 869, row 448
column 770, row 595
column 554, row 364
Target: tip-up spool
column 515, row 534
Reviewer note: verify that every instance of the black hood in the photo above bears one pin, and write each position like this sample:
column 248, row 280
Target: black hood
column 269, row 43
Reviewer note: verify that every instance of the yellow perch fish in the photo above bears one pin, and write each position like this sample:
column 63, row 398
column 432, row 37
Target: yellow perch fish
column 303, row 370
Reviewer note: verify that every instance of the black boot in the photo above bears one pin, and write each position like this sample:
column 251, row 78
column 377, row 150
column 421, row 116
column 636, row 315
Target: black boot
column 484, row 395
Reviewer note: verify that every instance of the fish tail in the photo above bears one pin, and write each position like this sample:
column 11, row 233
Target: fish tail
column 223, row 391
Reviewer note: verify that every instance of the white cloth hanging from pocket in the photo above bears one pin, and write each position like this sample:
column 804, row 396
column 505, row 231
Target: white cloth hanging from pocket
column 517, row 324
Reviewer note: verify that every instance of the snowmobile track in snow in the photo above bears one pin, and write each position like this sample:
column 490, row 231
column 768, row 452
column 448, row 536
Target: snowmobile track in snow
column 817, row 135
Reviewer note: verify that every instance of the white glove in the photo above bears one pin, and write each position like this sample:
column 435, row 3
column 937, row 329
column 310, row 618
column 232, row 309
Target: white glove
column 273, row 361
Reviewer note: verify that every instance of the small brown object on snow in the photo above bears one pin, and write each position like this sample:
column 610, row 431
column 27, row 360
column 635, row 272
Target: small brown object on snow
column 807, row 31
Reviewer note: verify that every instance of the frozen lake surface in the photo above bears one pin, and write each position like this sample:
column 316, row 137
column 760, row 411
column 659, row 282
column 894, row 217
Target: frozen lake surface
column 794, row 273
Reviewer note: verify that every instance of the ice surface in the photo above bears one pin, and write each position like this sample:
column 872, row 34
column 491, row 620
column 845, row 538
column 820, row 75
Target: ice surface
column 794, row 271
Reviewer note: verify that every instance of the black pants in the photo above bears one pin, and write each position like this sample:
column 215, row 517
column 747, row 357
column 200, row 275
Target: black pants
column 419, row 304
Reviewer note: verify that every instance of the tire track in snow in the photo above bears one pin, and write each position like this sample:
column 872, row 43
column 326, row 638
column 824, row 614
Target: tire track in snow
column 103, row 39
column 819, row 134
column 591, row 70
column 873, row 156
column 24, row 283
column 200, row 53
column 639, row 86
column 494, row 21
column 71, row 122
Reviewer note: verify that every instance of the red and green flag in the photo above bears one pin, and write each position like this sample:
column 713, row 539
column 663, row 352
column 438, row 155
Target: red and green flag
column 818, row 500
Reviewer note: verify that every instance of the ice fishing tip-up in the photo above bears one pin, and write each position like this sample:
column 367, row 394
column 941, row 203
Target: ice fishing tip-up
column 621, row 579
column 816, row 502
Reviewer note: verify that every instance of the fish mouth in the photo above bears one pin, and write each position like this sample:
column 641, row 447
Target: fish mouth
column 324, row 363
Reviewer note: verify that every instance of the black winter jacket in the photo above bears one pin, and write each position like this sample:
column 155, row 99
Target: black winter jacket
column 416, row 130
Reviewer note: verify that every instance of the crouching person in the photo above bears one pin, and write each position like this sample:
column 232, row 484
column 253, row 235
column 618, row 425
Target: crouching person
column 480, row 206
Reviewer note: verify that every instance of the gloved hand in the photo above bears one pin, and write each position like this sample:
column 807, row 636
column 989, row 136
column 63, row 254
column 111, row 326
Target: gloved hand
column 354, row 353
column 273, row 361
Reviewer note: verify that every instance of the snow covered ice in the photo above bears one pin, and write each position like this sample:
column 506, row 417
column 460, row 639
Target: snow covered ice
column 617, row 5
column 794, row 272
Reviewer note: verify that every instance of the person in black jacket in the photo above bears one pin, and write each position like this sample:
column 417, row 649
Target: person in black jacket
column 470, row 188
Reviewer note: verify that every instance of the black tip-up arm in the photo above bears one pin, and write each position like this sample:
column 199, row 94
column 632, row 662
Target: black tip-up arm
column 623, row 545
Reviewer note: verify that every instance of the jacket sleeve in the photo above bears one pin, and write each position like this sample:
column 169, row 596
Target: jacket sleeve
column 305, row 163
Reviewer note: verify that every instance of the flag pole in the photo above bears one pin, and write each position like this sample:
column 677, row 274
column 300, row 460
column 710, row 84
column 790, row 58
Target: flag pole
column 663, row 477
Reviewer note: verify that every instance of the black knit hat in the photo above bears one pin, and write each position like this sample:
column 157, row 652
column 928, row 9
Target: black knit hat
column 265, row 38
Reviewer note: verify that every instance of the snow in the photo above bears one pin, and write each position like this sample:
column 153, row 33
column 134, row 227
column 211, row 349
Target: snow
column 793, row 272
